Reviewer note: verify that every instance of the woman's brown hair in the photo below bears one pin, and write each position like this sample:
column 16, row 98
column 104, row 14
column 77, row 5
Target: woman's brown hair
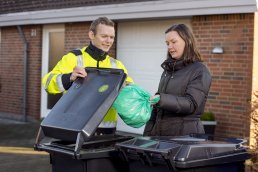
column 191, row 52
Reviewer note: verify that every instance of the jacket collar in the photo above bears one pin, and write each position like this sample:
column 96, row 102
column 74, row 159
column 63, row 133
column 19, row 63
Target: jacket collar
column 172, row 65
column 96, row 53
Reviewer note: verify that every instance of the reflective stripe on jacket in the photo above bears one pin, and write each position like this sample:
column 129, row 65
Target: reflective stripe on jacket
column 53, row 84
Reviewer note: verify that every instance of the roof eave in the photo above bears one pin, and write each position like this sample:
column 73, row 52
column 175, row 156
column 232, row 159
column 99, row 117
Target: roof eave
column 150, row 9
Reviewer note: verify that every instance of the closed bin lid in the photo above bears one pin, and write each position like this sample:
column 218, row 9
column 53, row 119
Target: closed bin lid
column 183, row 151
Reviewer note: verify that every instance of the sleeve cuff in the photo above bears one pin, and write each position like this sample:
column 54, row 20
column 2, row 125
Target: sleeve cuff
column 66, row 81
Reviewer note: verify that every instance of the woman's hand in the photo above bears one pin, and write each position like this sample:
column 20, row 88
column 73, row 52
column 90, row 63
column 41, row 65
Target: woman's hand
column 154, row 99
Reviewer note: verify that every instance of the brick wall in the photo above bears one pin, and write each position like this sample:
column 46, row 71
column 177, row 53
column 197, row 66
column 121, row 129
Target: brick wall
column 11, row 71
column 231, row 71
column 34, row 70
column 76, row 35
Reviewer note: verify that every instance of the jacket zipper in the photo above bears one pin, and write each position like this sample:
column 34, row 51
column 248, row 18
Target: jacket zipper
column 167, row 78
column 173, row 71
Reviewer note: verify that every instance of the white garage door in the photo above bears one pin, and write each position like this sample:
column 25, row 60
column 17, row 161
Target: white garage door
column 141, row 47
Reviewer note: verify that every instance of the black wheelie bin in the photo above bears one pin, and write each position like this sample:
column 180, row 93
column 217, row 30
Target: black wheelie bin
column 191, row 153
column 67, row 133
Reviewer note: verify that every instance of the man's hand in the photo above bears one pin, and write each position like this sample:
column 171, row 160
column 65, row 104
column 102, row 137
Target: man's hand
column 78, row 72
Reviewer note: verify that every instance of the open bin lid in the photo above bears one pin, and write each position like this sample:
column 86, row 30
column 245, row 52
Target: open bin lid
column 184, row 151
column 77, row 114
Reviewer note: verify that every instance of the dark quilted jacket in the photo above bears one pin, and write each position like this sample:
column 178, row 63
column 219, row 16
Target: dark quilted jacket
column 183, row 92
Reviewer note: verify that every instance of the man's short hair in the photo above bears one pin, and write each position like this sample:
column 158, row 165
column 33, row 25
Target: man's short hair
column 101, row 20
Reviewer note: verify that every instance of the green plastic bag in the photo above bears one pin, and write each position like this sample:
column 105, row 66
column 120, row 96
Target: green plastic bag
column 133, row 105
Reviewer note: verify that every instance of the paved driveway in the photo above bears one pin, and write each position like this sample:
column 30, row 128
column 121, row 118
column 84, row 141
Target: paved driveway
column 16, row 148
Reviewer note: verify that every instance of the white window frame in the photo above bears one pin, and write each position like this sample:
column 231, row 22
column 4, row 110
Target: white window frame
column 47, row 29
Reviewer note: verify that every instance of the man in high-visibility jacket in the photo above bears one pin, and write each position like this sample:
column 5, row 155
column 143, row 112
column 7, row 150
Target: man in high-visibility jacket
column 72, row 66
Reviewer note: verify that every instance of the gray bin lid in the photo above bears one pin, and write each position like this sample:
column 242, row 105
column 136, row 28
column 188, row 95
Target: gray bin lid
column 184, row 151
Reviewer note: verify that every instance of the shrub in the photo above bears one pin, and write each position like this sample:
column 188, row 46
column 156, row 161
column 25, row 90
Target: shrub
column 207, row 116
column 254, row 127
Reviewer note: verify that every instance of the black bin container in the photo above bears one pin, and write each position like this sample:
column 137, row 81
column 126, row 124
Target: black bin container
column 96, row 155
column 67, row 133
column 193, row 153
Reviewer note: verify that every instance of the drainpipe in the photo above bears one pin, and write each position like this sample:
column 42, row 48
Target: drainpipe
column 25, row 60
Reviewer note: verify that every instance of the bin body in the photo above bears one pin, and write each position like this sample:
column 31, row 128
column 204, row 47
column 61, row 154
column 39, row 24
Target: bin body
column 136, row 166
column 187, row 153
column 67, row 133
column 96, row 155
column 66, row 163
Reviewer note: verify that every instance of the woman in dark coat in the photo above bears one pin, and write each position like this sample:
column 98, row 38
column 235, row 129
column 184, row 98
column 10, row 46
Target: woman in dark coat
column 183, row 87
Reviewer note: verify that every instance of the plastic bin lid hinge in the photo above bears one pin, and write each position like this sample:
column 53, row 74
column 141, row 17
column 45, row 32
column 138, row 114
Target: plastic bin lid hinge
column 39, row 138
column 79, row 142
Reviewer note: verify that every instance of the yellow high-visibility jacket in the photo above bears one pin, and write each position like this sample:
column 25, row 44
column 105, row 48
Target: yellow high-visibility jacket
column 52, row 81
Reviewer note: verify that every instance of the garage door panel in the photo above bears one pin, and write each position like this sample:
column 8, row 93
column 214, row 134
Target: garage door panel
column 142, row 34
column 145, row 60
